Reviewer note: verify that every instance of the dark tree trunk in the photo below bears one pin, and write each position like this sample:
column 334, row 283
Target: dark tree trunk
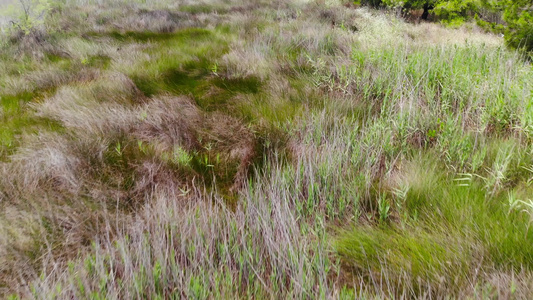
column 425, row 14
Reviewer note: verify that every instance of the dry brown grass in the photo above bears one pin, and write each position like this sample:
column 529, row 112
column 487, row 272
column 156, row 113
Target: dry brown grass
column 170, row 121
column 136, row 196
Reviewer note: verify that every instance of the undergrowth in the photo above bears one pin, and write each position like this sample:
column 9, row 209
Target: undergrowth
column 262, row 150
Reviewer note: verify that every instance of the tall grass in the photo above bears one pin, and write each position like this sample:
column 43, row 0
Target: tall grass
column 262, row 150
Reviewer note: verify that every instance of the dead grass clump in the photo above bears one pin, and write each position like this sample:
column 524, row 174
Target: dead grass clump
column 19, row 231
column 152, row 177
column 337, row 16
column 169, row 121
column 504, row 285
column 115, row 87
column 125, row 151
column 87, row 118
column 235, row 141
column 47, row 78
column 162, row 21
column 246, row 60
column 97, row 107
column 434, row 34
column 129, row 17
column 80, row 49
column 33, row 44
column 48, row 161
column 179, row 242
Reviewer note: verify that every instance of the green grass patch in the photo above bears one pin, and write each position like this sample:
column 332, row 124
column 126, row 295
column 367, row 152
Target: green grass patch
column 245, row 85
column 156, row 37
column 404, row 255
column 179, row 61
column 202, row 9
column 98, row 61
column 182, row 65
column 15, row 120
column 445, row 226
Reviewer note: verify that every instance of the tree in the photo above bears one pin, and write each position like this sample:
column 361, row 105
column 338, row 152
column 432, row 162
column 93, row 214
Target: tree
column 426, row 5
column 456, row 11
column 408, row 5
column 519, row 18
column 28, row 14
column 517, row 25
column 517, row 15
column 447, row 10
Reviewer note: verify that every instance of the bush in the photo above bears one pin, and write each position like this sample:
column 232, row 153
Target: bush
column 519, row 33
column 517, row 25
column 26, row 15
column 456, row 11
column 517, row 16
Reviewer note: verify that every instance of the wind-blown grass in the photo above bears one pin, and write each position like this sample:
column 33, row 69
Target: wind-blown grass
column 262, row 150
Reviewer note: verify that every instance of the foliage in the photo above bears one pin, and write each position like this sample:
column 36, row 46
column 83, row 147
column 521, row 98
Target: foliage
column 516, row 23
column 26, row 15
column 449, row 11
column 519, row 17
column 456, row 11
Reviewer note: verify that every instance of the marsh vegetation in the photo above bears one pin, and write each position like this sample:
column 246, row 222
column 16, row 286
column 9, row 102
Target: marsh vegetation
column 262, row 149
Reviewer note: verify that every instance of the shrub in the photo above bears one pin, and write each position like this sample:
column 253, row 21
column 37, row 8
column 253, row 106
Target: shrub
column 517, row 23
column 519, row 33
column 456, row 11
column 26, row 15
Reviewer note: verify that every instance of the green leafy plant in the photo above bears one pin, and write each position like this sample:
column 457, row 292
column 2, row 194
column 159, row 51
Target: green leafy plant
column 518, row 25
column 26, row 15
column 118, row 149
column 456, row 12
column 524, row 206
column 383, row 208
column 182, row 157
column 519, row 33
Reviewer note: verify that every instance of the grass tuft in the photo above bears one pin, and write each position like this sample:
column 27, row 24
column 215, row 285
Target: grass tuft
column 286, row 149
